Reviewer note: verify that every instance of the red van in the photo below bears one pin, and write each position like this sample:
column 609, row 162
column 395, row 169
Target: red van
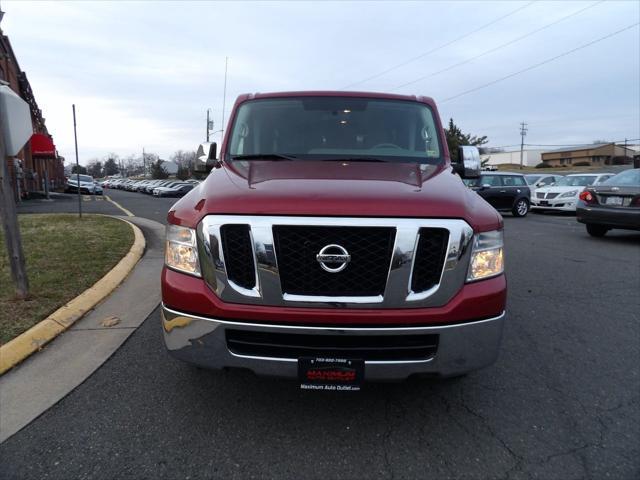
column 334, row 241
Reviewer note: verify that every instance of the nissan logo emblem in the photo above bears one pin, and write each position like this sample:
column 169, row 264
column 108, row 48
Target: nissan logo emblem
column 333, row 258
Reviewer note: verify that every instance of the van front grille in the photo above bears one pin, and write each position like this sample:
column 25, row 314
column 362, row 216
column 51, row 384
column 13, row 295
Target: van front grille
column 430, row 256
column 366, row 273
column 238, row 255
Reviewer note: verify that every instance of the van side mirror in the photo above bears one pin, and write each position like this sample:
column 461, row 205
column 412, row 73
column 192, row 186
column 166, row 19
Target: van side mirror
column 468, row 164
column 206, row 157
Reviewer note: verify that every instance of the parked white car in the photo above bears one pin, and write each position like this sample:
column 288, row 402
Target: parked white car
column 563, row 194
column 539, row 180
column 87, row 185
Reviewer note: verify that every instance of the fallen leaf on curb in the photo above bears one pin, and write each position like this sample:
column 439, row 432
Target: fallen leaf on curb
column 110, row 322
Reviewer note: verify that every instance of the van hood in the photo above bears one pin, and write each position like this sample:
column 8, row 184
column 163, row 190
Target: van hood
column 335, row 188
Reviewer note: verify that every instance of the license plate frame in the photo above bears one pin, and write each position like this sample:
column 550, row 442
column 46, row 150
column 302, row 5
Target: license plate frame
column 337, row 374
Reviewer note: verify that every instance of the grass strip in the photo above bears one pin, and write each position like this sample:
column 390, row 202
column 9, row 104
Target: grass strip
column 64, row 256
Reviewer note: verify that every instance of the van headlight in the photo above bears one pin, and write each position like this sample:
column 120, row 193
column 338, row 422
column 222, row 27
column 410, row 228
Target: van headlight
column 181, row 251
column 487, row 257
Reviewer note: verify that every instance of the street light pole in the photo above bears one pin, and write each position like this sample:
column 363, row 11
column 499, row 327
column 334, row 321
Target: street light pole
column 75, row 139
column 224, row 94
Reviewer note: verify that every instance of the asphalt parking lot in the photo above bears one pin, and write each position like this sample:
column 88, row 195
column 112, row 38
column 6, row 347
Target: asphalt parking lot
column 562, row 402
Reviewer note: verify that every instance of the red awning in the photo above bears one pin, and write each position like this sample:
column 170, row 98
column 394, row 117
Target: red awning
column 42, row 146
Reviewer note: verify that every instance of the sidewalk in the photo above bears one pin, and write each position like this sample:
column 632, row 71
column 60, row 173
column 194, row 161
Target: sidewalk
column 46, row 377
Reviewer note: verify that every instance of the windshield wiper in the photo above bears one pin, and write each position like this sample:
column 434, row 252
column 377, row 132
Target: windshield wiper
column 264, row 156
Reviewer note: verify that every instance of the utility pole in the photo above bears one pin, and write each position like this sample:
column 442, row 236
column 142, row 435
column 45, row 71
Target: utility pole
column 625, row 151
column 12, row 237
column 75, row 139
column 144, row 164
column 16, row 129
column 523, row 132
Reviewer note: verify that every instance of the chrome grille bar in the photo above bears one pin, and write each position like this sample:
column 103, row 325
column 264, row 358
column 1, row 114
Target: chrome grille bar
column 397, row 293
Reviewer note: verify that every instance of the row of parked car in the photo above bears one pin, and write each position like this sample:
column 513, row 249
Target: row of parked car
column 157, row 188
column 602, row 201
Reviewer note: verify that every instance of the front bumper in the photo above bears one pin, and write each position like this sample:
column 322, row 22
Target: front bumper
column 462, row 347
column 559, row 204
column 623, row 217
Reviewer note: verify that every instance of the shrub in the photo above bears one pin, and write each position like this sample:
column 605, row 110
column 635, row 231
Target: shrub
column 543, row 165
column 582, row 164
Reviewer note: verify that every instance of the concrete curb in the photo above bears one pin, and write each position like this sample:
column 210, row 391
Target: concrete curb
column 39, row 335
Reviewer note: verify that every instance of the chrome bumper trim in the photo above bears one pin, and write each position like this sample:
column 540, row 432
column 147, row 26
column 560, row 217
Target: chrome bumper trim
column 462, row 347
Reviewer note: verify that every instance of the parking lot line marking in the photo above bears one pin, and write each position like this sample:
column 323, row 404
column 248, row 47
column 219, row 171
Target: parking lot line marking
column 127, row 212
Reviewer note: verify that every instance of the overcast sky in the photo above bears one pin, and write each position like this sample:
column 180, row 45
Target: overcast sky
column 143, row 74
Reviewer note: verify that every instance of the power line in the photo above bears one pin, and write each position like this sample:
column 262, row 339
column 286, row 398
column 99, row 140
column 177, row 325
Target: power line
column 553, row 145
column 576, row 144
column 422, row 55
column 536, row 65
column 487, row 52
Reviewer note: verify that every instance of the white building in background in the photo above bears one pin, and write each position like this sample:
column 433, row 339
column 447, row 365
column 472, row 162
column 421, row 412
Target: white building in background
column 530, row 158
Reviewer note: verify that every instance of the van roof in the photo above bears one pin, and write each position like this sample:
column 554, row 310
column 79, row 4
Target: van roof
column 337, row 93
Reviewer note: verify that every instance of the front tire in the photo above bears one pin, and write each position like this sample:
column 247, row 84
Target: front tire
column 520, row 208
column 596, row 230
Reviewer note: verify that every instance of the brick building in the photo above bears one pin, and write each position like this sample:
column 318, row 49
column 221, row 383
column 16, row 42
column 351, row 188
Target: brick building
column 38, row 160
column 597, row 154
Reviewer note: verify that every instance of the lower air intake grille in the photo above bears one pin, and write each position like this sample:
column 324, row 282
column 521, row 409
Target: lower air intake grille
column 370, row 249
column 367, row 347
column 430, row 256
column 238, row 255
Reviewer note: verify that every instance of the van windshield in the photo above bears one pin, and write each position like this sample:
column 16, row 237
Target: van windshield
column 335, row 128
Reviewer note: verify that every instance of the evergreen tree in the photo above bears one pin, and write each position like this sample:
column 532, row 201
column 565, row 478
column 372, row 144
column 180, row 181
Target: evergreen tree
column 455, row 139
column 157, row 170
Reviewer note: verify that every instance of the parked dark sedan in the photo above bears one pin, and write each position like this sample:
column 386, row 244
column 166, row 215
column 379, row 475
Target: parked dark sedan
column 614, row 203
column 504, row 191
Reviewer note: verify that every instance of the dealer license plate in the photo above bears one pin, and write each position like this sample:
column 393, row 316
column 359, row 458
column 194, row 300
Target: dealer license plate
column 613, row 201
column 345, row 374
column 544, row 203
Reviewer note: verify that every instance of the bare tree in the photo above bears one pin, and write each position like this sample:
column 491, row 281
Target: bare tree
column 185, row 159
column 94, row 167
column 133, row 165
